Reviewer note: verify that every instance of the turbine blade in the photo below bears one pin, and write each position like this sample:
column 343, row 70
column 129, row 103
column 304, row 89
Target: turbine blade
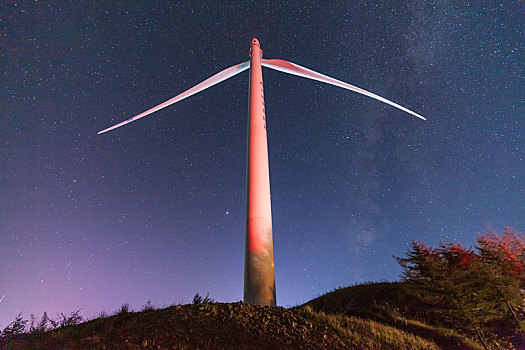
column 215, row 79
column 295, row 69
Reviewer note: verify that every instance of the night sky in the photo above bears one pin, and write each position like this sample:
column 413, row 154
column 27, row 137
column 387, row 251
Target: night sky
column 156, row 209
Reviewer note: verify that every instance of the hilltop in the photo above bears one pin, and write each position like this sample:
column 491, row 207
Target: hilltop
column 358, row 317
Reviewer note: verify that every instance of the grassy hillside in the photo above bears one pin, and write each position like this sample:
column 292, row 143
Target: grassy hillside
column 359, row 317
column 389, row 305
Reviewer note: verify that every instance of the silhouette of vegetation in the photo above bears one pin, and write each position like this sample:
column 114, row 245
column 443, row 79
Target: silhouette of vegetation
column 124, row 309
column 72, row 319
column 197, row 299
column 207, row 299
column 148, row 306
column 16, row 327
column 43, row 324
column 19, row 325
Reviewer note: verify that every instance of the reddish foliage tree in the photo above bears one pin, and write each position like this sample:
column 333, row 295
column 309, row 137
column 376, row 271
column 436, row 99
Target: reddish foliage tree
column 504, row 252
column 468, row 288
column 457, row 256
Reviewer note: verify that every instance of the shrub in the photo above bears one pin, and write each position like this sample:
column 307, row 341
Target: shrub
column 124, row 309
column 42, row 325
column 16, row 327
column 148, row 306
column 73, row 319
column 207, row 299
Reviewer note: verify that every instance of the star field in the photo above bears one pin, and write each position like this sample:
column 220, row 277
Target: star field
column 156, row 209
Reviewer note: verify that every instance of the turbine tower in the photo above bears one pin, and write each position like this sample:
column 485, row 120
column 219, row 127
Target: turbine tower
column 259, row 270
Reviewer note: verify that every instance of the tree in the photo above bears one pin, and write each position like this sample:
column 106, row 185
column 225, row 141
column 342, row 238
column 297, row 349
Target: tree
column 451, row 281
column 504, row 254
column 197, row 299
column 465, row 288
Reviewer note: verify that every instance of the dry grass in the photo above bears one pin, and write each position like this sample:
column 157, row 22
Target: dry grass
column 388, row 305
column 367, row 334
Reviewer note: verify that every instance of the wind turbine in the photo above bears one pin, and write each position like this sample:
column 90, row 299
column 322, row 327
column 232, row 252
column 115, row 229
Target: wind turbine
column 259, row 271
